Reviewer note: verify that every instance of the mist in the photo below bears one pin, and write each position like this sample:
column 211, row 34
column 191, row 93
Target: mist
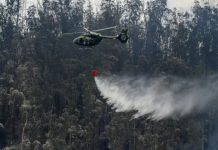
column 159, row 98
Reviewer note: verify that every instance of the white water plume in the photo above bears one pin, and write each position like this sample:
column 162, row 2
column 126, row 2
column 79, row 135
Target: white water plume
column 159, row 98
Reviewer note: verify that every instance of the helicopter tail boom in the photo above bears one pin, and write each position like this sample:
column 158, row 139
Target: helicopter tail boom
column 110, row 37
column 122, row 37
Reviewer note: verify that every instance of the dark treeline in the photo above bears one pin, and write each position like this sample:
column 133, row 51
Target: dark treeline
column 48, row 101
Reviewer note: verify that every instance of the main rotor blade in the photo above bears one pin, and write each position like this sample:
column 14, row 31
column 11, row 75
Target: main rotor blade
column 104, row 29
column 87, row 30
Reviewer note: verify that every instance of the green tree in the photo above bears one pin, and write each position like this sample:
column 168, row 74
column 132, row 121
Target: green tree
column 152, row 50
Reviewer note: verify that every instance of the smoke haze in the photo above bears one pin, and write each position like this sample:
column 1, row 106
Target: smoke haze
column 159, row 98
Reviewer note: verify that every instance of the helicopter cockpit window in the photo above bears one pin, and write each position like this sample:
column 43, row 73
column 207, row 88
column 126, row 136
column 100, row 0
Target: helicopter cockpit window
column 81, row 40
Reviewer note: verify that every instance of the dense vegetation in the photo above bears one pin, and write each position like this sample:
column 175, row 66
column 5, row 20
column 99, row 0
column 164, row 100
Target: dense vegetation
column 48, row 101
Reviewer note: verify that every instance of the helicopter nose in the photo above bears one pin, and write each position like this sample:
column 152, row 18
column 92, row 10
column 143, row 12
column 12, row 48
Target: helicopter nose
column 76, row 41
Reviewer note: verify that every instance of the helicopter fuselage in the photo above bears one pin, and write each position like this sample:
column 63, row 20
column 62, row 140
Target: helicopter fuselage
column 88, row 39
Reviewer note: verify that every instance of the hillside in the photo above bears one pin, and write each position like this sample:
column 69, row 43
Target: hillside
column 49, row 101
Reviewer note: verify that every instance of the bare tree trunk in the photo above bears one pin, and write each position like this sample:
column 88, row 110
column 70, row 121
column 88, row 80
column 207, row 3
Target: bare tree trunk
column 18, row 13
column 23, row 132
column 134, row 140
column 202, row 138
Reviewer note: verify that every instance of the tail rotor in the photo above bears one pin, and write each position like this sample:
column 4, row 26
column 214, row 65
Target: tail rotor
column 123, row 37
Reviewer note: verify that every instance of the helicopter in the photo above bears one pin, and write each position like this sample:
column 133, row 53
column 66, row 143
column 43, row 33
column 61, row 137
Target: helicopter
column 92, row 38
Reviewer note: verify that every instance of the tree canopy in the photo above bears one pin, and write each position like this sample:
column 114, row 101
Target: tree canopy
column 48, row 100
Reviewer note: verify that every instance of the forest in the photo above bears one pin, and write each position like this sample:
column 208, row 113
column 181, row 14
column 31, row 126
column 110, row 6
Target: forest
column 49, row 101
